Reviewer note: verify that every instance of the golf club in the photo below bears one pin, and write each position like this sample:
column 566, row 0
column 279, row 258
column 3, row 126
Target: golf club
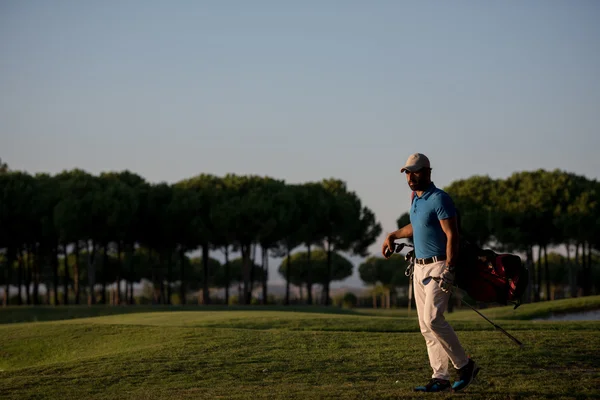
column 437, row 279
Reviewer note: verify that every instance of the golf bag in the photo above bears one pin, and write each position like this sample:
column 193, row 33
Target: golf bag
column 491, row 277
column 487, row 276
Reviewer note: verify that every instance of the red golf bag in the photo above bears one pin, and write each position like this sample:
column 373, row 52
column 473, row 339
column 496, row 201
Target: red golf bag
column 491, row 277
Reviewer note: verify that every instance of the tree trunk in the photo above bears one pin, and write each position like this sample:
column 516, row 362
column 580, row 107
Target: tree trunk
column 206, row 283
column 131, row 294
column 169, row 276
column 28, row 276
column 547, row 273
column 55, row 273
column 20, row 275
column 128, row 271
column 48, row 293
column 76, row 287
column 265, row 271
column 582, row 269
column 309, row 298
column 36, row 275
column 288, row 277
column 227, row 281
column 91, row 272
column 162, row 291
column 119, row 270
column 247, row 297
column 576, row 266
column 539, row 275
column 374, row 299
column 571, row 269
column 530, row 273
column 182, row 272
column 329, row 270
column 388, row 298
column 252, row 266
column 7, row 276
column 588, row 274
column 66, row 281
column 104, row 272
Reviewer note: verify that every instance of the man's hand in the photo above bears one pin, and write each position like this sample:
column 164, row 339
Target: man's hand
column 447, row 280
column 388, row 246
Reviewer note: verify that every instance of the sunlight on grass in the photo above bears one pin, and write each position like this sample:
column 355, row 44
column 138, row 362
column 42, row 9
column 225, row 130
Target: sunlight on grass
column 265, row 354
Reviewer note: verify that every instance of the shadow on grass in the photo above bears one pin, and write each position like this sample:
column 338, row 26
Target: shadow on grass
column 14, row 314
column 526, row 312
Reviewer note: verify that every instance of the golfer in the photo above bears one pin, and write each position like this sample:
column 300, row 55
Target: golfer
column 433, row 227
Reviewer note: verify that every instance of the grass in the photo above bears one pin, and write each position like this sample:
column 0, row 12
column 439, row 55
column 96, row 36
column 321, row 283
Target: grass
column 299, row 353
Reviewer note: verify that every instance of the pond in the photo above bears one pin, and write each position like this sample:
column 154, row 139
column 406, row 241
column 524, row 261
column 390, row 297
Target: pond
column 592, row 315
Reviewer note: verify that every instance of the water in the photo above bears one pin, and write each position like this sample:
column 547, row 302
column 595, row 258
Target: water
column 593, row 315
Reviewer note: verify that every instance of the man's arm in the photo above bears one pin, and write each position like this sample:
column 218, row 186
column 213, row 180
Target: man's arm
column 450, row 228
column 405, row 232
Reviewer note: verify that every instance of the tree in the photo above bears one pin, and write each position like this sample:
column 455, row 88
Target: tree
column 130, row 188
column 198, row 275
column 46, row 198
column 17, row 224
column 347, row 226
column 324, row 268
column 157, row 236
column 3, row 167
column 312, row 203
column 78, row 218
column 207, row 188
column 183, row 211
column 475, row 199
column 288, row 222
column 236, row 275
column 388, row 273
column 248, row 199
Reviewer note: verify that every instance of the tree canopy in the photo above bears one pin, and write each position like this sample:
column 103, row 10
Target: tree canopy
column 115, row 225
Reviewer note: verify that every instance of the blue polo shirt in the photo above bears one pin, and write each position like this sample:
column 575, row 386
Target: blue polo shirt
column 425, row 215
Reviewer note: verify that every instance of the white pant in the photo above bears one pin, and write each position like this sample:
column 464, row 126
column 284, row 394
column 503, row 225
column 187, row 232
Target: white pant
column 441, row 340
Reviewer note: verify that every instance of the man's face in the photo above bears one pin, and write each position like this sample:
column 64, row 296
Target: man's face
column 418, row 180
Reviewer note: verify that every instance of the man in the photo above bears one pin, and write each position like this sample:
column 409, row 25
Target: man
column 433, row 227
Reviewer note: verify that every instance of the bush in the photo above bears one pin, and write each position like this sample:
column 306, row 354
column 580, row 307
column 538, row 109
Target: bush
column 347, row 300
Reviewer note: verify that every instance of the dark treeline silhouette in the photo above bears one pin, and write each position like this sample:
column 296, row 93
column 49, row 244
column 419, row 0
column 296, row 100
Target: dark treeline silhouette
column 76, row 233
column 527, row 214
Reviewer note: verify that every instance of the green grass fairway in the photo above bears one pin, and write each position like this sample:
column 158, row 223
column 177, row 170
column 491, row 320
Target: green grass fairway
column 301, row 353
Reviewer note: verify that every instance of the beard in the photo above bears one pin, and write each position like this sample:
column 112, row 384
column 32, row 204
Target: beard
column 417, row 184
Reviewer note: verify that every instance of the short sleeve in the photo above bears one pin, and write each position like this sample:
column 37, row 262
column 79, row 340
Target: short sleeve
column 445, row 207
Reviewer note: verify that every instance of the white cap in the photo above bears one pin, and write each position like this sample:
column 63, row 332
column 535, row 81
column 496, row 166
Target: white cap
column 416, row 162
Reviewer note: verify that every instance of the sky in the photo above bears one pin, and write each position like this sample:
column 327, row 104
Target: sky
column 301, row 91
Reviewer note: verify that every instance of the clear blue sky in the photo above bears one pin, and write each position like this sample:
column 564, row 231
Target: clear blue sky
column 301, row 90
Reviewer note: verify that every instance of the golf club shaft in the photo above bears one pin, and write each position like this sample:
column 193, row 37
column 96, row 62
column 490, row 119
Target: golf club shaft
column 437, row 279
column 495, row 325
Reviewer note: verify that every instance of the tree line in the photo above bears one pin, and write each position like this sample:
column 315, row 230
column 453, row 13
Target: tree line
column 526, row 213
column 76, row 231
column 530, row 212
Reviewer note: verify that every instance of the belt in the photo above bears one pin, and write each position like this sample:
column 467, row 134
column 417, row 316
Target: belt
column 429, row 260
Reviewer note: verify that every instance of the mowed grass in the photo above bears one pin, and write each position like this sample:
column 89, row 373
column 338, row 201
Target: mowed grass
column 301, row 353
